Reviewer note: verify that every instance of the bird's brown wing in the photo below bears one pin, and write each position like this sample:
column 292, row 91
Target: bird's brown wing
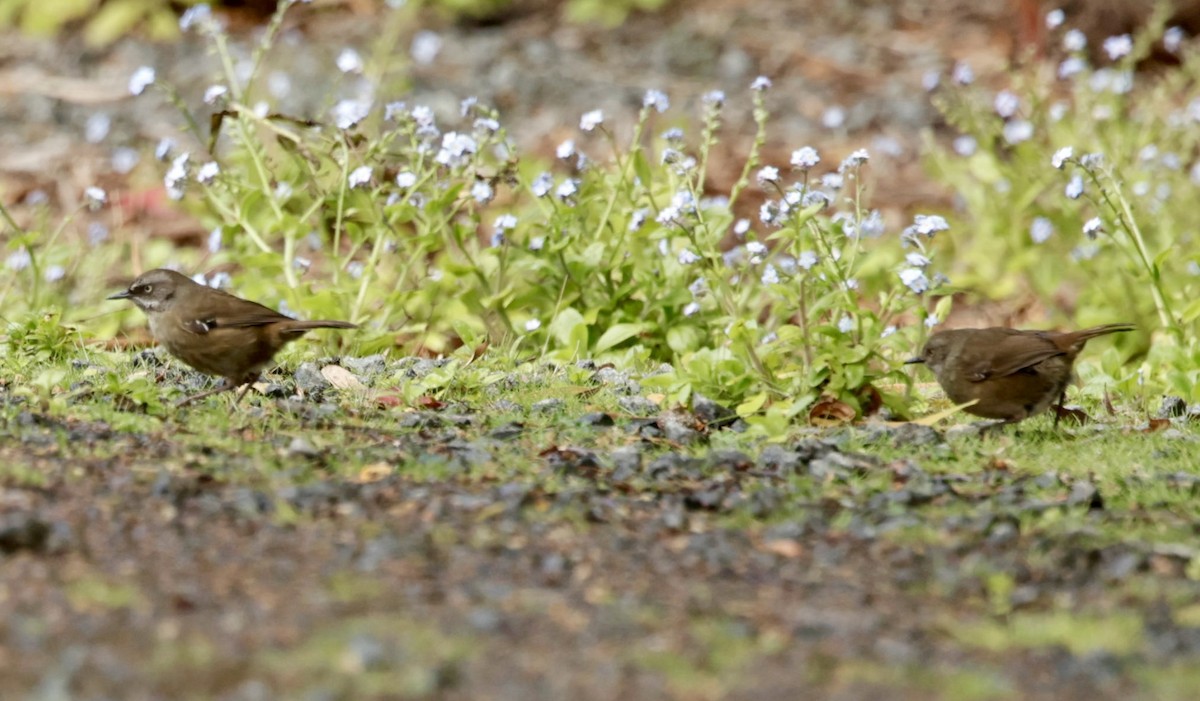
column 1012, row 353
column 227, row 311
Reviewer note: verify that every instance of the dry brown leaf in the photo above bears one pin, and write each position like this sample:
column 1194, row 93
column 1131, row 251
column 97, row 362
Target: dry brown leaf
column 1156, row 425
column 784, row 547
column 830, row 412
column 340, row 377
column 373, row 472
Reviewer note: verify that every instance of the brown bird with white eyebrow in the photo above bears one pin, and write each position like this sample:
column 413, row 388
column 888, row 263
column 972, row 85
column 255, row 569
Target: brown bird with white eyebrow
column 214, row 331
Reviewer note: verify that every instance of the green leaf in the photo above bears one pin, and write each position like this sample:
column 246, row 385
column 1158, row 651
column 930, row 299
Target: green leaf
column 752, row 404
column 618, row 334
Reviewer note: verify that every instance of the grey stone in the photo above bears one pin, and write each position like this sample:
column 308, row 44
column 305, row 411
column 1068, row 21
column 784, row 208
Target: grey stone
column 638, row 406
column 366, row 366
column 309, row 378
column 547, row 406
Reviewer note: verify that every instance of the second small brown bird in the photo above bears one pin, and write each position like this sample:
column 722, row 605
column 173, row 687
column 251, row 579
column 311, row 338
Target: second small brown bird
column 1010, row 374
column 213, row 331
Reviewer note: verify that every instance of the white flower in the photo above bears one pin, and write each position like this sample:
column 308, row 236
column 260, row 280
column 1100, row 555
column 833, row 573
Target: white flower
column 760, row 83
column 691, row 308
column 591, row 120
column 97, row 233
column 807, row 260
column 533, row 325
column 486, row 125
column 965, row 145
column 54, row 273
column 805, row 157
column 348, row 61
column 1071, row 67
column 638, row 218
column 97, row 126
column 426, row 45
column 394, row 110
column 768, row 212
column 1074, row 187
column 540, row 187
column 193, row 16
column 96, row 197
column 567, row 189
column 1118, row 46
column 214, row 240
column 1093, row 227
column 1173, row 39
column 855, row 160
column 456, row 149
column 1074, row 40
column 962, row 74
column 1060, row 156
column 872, row 226
column 756, row 247
column 565, row 150
column 713, row 98
column 656, row 99
column 740, row 227
column 347, row 113
column 1017, row 130
column 770, row 276
column 536, row 243
column 930, row 80
column 845, row 324
column 930, row 322
column 1055, row 18
column 914, row 279
column 162, row 151
column 928, row 224
column 406, row 179
column 505, row 222
column 482, row 191
column 833, row 117
column 207, row 172
column 18, row 259
column 423, row 115
column 1041, row 230
column 768, row 174
column 214, row 93
column 687, row 257
column 141, row 79
column 1006, row 103
column 359, row 176
column 916, row 260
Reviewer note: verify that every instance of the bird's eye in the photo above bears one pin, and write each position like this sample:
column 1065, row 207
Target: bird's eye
column 145, row 289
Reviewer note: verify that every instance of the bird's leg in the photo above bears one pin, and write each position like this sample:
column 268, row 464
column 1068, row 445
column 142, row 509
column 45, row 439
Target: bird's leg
column 1062, row 404
column 246, row 385
column 225, row 384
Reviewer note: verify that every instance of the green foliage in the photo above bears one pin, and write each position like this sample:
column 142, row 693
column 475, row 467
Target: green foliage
column 1076, row 195
column 436, row 236
column 103, row 21
column 610, row 13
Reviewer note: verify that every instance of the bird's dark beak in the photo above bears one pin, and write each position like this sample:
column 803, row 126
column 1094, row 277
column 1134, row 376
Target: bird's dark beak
column 910, row 361
column 123, row 294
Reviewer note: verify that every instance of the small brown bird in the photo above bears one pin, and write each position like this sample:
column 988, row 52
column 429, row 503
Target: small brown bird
column 213, row 331
column 1009, row 374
